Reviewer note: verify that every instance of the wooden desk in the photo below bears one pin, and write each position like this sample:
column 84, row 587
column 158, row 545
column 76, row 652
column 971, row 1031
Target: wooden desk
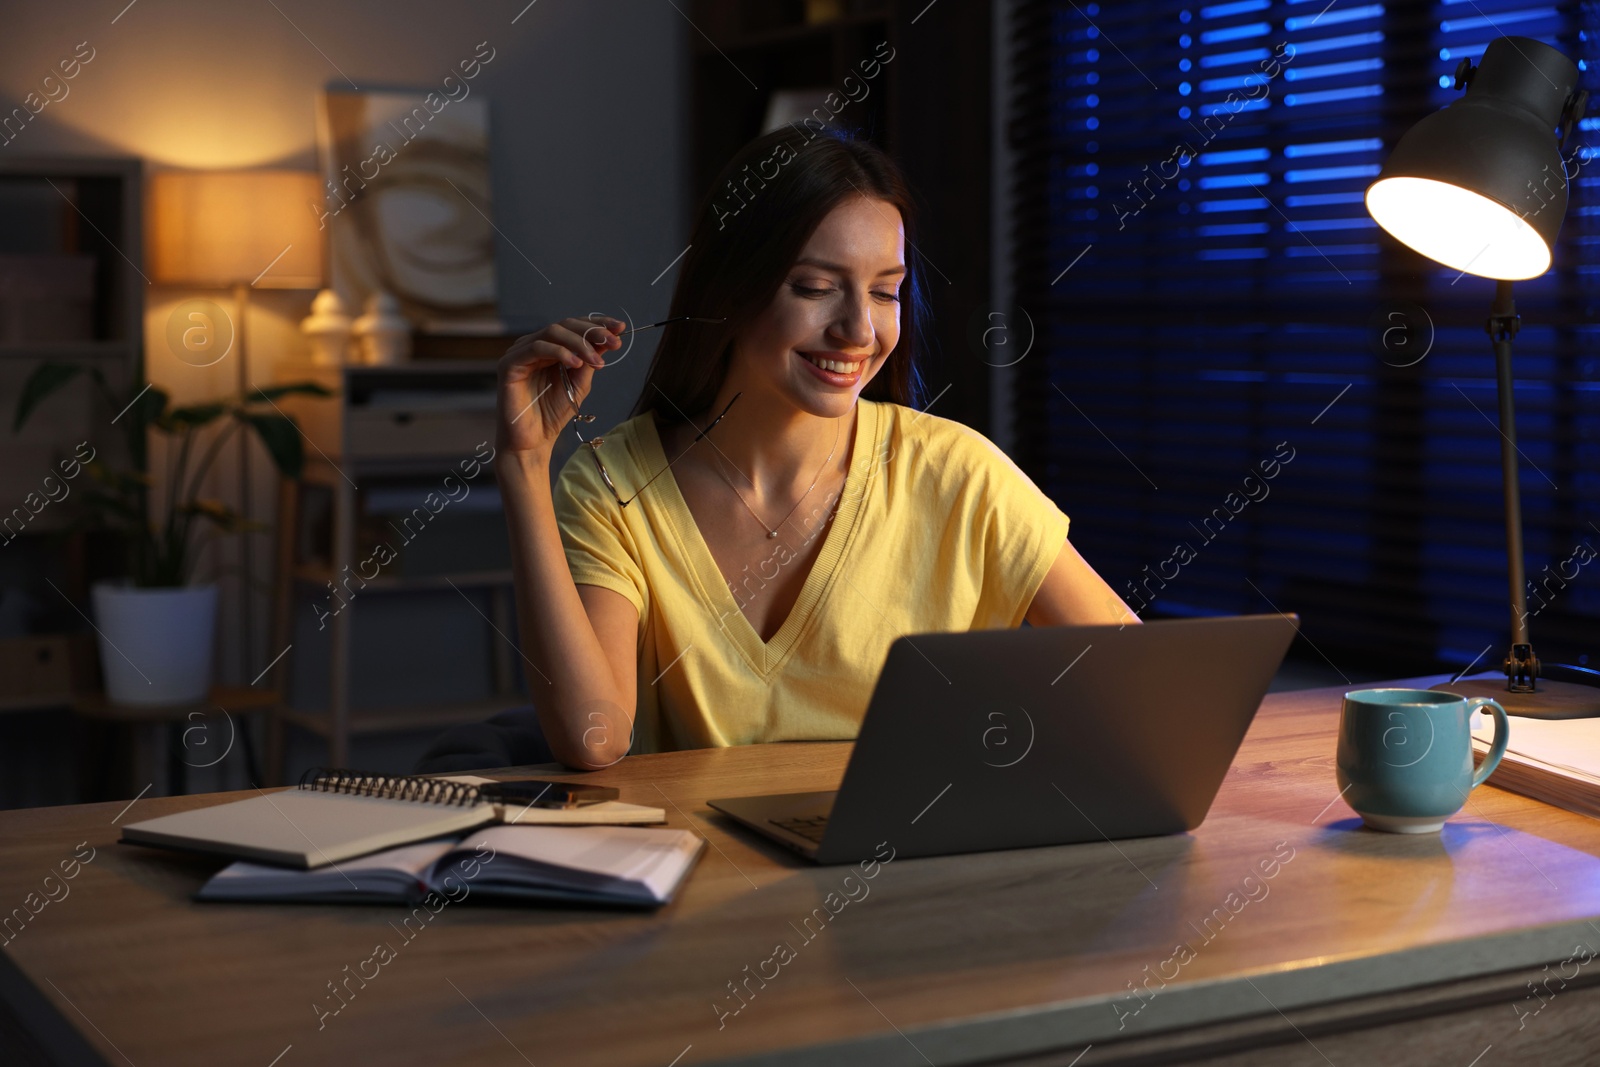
column 1362, row 948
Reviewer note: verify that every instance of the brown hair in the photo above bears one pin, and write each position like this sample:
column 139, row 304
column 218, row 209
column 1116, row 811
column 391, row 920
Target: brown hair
column 748, row 231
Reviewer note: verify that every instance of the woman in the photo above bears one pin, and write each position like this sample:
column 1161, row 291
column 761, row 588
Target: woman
column 751, row 592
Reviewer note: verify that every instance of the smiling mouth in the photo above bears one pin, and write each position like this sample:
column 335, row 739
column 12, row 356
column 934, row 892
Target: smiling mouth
column 834, row 366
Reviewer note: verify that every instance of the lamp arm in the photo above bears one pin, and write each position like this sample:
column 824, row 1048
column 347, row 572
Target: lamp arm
column 1577, row 104
column 1521, row 665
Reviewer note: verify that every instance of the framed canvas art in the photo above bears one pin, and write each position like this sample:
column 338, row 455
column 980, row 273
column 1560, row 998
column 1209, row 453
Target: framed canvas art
column 407, row 204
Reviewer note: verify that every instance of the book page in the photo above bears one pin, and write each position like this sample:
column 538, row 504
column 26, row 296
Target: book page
column 379, row 871
column 622, row 852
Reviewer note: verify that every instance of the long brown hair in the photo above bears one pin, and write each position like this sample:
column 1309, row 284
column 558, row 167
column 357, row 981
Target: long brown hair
column 748, row 231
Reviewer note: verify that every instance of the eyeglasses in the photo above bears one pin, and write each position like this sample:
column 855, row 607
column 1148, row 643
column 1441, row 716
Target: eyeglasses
column 594, row 443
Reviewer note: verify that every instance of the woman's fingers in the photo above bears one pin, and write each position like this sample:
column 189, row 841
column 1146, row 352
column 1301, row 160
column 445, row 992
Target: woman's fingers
column 559, row 402
column 527, row 354
column 611, row 325
column 585, row 339
column 582, row 378
column 548, row 375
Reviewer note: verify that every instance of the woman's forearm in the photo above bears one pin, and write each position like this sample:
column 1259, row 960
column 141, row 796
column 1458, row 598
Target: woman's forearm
column 570, row 677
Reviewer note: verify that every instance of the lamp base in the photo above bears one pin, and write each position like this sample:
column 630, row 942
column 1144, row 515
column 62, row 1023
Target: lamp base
column 1549, row 700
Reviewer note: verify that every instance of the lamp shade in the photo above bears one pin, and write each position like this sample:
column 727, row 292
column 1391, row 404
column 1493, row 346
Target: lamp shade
column 1480, row 186
column 223, row 228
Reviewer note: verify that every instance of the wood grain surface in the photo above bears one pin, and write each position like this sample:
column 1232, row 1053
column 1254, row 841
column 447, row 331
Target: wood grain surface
column 1356, row 947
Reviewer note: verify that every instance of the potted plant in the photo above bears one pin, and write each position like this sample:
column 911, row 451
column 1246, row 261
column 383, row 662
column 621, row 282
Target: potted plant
column 156, row 630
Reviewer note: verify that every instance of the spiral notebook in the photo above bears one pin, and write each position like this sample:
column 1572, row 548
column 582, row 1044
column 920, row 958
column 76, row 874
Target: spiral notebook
column 331, row 816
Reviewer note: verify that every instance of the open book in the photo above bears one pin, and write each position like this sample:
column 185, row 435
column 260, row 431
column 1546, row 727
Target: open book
column 596, row 864
column 1553, row 760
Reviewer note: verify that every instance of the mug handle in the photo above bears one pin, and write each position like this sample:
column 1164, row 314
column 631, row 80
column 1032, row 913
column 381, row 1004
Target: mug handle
column 1497, row 748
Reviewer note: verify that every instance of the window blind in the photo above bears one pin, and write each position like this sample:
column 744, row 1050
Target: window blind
column 1246, row 395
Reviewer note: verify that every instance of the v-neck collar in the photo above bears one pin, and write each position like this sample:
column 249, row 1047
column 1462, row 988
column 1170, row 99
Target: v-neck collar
column 764, row 656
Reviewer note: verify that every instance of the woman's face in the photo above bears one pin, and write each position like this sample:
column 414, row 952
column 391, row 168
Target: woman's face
column 835, row 318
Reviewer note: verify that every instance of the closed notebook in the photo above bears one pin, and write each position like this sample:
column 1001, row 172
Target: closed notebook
column 332, row 816
column 595, row 864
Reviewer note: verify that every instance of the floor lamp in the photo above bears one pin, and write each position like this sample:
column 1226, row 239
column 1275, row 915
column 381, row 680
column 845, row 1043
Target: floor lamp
column 236, row 230
column 1480, row 187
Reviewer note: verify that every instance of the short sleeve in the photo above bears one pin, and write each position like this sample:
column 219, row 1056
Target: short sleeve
column 600, row 548
column 1018, row 532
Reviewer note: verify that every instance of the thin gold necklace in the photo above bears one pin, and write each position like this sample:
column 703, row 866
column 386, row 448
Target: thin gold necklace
column 772, row 532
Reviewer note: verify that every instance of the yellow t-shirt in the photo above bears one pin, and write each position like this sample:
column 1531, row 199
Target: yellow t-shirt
column 936, row 530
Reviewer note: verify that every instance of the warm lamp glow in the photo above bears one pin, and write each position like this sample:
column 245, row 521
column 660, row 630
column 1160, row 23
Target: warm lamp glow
column 1459, row 228
column 222, row 228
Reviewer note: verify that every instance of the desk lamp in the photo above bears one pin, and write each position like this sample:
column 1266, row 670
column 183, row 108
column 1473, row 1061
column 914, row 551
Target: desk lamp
column 1480, row 187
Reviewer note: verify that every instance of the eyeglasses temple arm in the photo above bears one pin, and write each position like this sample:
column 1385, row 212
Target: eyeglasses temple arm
column 680, row 455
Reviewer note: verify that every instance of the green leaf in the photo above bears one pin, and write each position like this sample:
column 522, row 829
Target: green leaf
column 108, row 504
column 281, row 437
column 126, row 481
column 228, row 520
column 148, row 407
column 45, row 379
column 211, row 509
column 273, row 392
column 194, row 415
column 142, row 412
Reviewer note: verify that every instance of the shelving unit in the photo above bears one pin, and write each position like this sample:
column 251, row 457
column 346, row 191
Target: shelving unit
column 90, row 208
column 774, row 46
column 385, row 425
column 43, row 350
column 58, row 206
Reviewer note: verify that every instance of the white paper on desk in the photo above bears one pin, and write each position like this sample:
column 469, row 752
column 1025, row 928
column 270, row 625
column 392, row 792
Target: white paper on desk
column 1570, row 747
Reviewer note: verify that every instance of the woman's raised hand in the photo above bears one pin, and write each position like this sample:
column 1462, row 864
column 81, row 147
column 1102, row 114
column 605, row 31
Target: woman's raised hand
column 534, row 406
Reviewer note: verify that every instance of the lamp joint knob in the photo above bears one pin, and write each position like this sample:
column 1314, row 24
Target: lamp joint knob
column 1464, row 72
column 1521, row 668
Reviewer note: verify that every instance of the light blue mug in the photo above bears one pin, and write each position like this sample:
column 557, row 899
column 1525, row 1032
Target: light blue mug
column 1405, row 756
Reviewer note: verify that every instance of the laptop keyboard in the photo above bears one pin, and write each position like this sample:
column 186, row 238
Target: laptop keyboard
column 809, row 827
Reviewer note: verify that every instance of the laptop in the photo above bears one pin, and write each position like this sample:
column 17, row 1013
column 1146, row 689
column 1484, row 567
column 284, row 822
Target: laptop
column 997, row 739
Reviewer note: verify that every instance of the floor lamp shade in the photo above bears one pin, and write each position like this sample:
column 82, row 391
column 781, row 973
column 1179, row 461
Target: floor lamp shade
column 1480, row 186
column 218, row 229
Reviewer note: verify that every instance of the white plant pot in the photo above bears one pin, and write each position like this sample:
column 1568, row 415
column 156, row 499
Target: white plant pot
column 155, row 644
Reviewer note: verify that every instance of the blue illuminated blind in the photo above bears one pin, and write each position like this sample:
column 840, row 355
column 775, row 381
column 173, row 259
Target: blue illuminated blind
column 1191, row 245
